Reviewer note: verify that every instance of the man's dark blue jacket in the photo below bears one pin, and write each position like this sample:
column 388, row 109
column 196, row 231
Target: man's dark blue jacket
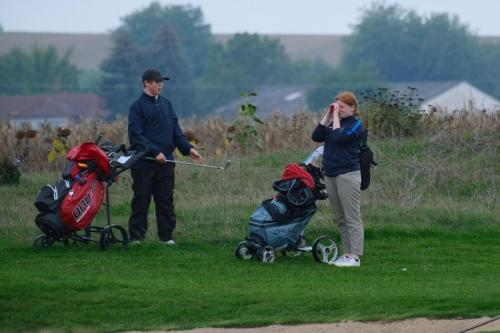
column 153, row 122
column 342, row 146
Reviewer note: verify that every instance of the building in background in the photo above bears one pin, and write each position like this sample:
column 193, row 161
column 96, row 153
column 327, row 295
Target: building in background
column 450, row 96
column 55, row 109
column 444, row 96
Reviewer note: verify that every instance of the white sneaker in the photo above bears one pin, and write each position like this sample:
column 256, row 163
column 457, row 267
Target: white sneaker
column 168, row 242
column 339, row 259
column 347, row 262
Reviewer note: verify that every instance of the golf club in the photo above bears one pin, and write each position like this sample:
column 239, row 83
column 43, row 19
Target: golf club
column 226, row 165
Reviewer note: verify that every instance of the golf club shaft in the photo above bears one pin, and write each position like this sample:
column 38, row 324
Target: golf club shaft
column 188, row 163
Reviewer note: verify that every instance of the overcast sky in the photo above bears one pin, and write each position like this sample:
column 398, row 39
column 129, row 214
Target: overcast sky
column 229, row 16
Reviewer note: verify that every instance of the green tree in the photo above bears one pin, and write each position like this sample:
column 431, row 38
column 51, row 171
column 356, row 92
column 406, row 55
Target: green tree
column 309, row 72
column 154, row 41
column 245, row 63
column 121, row 79
column 180, row 88
column 39, row 71
column 336, row 80
column 405, row 46
column 194, row 35
column 486, row 74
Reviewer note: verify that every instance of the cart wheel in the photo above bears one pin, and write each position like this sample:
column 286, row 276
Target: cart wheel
column 113, row 234
column 244, row 251
column 42, row 242
column 301, row 242
column 325, row 249
column 266, row 254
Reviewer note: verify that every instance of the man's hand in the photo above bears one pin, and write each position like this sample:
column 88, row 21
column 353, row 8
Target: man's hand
column 196, row 156
column 160, row 158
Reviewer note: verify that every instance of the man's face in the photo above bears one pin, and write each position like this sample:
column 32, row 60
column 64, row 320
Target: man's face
column 154, row 87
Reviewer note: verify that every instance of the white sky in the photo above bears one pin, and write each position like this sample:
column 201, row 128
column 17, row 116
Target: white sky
column 229, row 16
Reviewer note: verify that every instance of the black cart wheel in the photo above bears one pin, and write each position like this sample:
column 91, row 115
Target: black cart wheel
column 42, row 242
column 244, row 250
column 325, row 250
column 113, row 234
column 266, row 254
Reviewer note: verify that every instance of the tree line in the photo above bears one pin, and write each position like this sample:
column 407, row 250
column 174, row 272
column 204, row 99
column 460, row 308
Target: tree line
column 388, row 44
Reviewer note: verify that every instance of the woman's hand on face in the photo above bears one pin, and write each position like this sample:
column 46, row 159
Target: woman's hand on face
column 335, row 109
column 332, row 109
column 336, row 115
column 326, row 117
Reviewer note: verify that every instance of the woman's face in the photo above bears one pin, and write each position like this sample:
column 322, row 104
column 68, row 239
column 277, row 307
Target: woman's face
column 345, row 110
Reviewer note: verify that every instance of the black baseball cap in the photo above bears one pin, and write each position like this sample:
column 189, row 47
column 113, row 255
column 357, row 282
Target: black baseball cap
column 153, row 75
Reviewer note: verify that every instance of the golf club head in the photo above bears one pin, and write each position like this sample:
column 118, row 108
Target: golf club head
column 227, row 164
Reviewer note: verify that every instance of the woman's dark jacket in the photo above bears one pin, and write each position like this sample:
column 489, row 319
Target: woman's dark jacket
column 341, row 153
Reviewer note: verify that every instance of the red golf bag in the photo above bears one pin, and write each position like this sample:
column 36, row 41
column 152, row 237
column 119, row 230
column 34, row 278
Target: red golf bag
column 73, row 202
column 84, row 199
column 82, row 202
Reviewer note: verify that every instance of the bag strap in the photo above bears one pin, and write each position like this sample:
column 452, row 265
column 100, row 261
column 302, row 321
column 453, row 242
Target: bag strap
column 364, row 140
column 273, row 211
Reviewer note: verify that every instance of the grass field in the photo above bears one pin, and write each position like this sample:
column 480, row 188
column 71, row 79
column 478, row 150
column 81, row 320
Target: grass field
column 432, row 209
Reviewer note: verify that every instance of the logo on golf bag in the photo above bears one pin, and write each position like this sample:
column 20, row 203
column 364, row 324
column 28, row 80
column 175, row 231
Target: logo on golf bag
column 296, row 228
column 82, row 206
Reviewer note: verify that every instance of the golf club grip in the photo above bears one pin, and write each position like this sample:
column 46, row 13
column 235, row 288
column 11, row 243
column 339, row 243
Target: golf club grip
column 99, row 137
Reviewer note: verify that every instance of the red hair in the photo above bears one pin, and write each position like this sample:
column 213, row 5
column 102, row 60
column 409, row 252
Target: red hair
column 348, row 98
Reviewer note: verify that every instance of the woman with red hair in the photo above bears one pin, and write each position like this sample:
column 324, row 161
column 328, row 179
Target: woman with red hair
column 341, row 132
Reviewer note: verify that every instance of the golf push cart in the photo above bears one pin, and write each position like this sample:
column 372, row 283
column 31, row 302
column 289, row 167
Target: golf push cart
column 67, row 208
column 278, row 224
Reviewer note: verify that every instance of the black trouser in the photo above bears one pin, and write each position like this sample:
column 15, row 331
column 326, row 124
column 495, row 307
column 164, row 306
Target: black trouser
column 157, row 181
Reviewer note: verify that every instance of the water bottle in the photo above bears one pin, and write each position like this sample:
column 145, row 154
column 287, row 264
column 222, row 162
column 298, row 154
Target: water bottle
column 314, row 155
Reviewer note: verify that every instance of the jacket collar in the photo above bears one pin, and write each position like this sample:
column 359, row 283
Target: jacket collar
column 348, row 119
column 150, row 98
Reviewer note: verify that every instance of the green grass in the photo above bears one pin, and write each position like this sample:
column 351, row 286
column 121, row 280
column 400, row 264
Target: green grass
column 440, row 222
column 202, row 284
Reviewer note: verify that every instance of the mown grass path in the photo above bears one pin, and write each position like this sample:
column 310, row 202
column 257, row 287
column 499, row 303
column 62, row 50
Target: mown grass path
column 200, row 284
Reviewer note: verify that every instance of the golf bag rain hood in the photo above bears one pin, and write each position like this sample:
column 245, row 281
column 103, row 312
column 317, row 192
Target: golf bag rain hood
column 88, row 151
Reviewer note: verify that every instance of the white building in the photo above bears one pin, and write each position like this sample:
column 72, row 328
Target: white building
column 450, row 96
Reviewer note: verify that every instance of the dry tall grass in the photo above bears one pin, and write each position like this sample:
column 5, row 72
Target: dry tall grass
column 448, row 174
column 474, row 130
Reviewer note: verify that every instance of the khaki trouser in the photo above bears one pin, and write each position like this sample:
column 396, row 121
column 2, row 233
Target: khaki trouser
column 344, row 194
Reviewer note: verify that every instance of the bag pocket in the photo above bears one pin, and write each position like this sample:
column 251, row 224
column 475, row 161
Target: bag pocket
column 50, row 196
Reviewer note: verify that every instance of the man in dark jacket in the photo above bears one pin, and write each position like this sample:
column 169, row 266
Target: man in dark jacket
column 153, row 122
